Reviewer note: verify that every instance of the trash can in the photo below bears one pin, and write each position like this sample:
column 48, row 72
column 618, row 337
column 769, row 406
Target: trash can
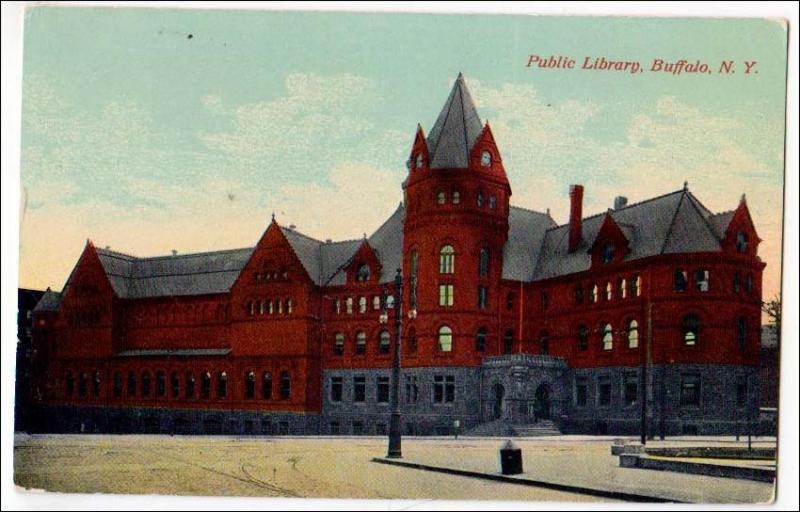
column 510, row 459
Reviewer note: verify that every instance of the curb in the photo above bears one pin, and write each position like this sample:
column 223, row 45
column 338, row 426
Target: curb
column 614, row 495
column 697, row 468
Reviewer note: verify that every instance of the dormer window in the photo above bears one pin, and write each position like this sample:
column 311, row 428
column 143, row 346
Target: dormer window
column 742, row 241
column 486, row 159
column 418, row 163
column 362, row 274
column 607, row 256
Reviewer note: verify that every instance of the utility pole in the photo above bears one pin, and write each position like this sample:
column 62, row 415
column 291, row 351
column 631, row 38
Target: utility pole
column 645, row 364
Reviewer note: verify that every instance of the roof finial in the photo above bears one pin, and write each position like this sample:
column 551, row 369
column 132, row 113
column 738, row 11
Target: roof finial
column 686, row 185
column 460, row 75
column 365, row 236
column 273, row 216
column 743, row 199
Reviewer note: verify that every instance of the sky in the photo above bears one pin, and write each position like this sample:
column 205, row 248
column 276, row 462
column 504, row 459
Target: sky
column 149, row 130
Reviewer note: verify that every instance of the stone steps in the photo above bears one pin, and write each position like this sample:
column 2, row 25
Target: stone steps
column 501, row 428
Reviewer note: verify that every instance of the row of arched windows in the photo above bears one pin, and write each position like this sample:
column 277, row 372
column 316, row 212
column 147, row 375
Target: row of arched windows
column 144, row 385
column 269, row 307
column 625, row 288
column 383, row 343
column 362, row 304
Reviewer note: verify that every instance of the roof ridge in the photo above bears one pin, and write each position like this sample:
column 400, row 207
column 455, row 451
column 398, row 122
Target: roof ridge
column 632, row 205
column 696, row 204
column 384, row 223
column 529, row 210
column 191, row 254
column 116, row 254
column 672, row 222
column 303, row 235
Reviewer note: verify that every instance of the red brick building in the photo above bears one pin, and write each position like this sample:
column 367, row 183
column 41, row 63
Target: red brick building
column 519, row 320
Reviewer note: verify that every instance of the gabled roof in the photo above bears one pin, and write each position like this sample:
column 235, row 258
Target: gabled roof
column 50, row 301
column 675, row 222
column 455, row 130
column 526, row 230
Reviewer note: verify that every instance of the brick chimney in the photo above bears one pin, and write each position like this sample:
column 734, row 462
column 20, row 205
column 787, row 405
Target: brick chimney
column 575, row 216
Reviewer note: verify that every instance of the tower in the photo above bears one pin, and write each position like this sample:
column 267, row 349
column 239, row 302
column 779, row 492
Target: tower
column 457, row 206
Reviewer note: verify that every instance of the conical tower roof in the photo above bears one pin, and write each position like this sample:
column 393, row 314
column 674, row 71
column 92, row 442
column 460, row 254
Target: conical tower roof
column 455, row 130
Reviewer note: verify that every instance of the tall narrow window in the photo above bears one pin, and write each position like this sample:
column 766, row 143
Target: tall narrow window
column 456, row 197
column 222, row 385
column 146, row 384
column 117, row 385
column 486, row 159
column 441, row 197
column 250, row 385
column 622, row 288
column 189, row 390
column 679, row 280
column 414, row 262
column 446, row 295
column 382, row 391
column 376, row 302
column 289, row 306
column 483, row 297
column 609, row 291
column 748, row 283
column 633, row 334
column 578, row 294
column 492, row 202
column 480, row 340
column 483, row 262
column 96, row 384
column 447, row 260
column 607, row 255
column 737, row 282
column 70, row 384
column 266, row 386
column 205, row 385
column 690, row 390
column 362, row 305
column 445, row 339
column 412, row 389
column 593, row 297
column 83, row 384
column 508, row 342
column 361, row 342
column 608, row 337
column 362, row 275
column 691, row 326
column 359, row 389
column 336, row 389
column 701, row 280
column 383, row 342
column 544, row 343
column 349, row 305
column 131, row 383
column 741, row 332
column 479, row 200
column 510, row 301
column 412, row 341
column 742, row 242
column 636, row 285
column 286, row 385
column 338, row 344
column 175, row 385
column 741, row 391
column 630, row 391
column 583, row 337
column 161, row 384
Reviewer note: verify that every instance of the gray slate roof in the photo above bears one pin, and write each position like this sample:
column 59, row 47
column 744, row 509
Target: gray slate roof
column 455, row 130
column 526, row 231
column 672, row 223
column 50, row 301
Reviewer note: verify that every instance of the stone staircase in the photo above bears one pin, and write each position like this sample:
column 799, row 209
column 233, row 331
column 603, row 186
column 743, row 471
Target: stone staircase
column 501, row 428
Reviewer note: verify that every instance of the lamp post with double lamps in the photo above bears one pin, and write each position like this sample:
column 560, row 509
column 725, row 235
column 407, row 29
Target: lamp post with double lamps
column 395, row 451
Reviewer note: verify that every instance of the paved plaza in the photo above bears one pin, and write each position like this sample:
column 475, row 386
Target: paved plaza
column 341, row 468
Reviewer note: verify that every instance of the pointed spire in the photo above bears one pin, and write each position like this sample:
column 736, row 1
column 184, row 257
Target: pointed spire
column 686, row 185
column 273, row 216
column 743, row 199
column 455, row 130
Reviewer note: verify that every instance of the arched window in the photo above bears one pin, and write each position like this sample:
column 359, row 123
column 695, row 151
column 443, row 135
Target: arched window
column 508, row 342
column 633, row 334
column 205, row 385
column 70, row 384
column 447, row 260
column 486, row 159
column 608, row 337
column 349, row 305
column 480, row 340
column 583, row 337
column 361, row 342
column 419, row 162
column 383, row 342
column 338, row 344
column 594, row 294
column 701, row 280
column 251, row 307
column 161, row 384
column 286, row 385
column 222, row 385
column 748, row 283
column 131, row 383
column 362, row 305
column 188, row 391
column 691, row 327
column 479, row 200
column 544, row 343
column 636, row 285
column 441, row 197
column 250, row 385
column 492, row 202
column 741, row 332
column 737, row 282
column 362, row 274
column 376, row 302
column 483, row 262
column 608, row 253
column 609, row 291
column 680, row 280
column 146, row 384
column 622, row 288
column 412, row 341
column 279, row 306
column 270, row 307
column 175, row 384
column 456, row 197
column 288, row 306
column 96, row 384
column 578, row 294
column 742, row 241
column 261, row 307
column 266, row 386
column 445, row 339
column 117, row 385
column 82, row 384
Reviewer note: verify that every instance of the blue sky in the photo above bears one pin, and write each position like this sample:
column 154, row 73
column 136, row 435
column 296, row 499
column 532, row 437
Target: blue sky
column 140, row 137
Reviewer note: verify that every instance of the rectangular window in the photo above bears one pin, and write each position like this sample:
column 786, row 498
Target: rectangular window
column 690, row 390
column 679, row 280
column 581, row 392
column 359, row 389
column 483, row 297
column 338, row 346
column 336, row 389
column 444, row 389
column 737, row 282
column 636, row 285
column 603, row 392
column 412, row 389
column 383, row 390
column 631, row 390
column 579, row 294
column 741, row 392
column 446, row 295
column 701, row 280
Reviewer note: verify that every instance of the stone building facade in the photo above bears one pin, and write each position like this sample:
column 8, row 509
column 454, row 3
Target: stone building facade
column 519, row 319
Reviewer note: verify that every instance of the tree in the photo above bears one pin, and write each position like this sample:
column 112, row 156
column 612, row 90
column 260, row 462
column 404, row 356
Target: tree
column 772, row 308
